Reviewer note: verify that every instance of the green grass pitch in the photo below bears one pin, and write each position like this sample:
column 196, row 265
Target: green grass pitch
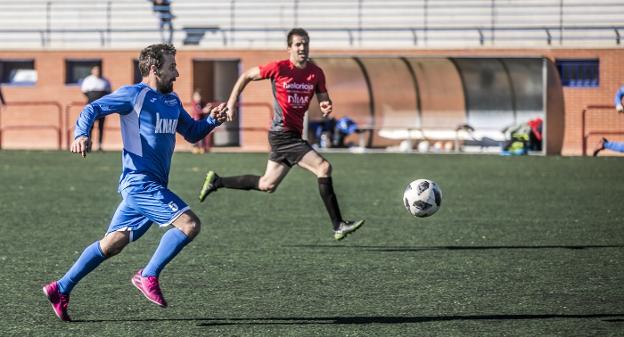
column 522, row 246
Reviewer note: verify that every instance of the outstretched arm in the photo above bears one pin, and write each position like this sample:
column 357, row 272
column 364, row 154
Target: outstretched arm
column 252, row 74
column 193, row 130
column 325, row 103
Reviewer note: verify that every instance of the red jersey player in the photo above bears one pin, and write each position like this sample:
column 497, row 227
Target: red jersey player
column 294, row 80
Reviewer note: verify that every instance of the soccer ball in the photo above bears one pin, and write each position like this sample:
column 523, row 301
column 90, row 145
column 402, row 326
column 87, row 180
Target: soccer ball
column 422, row 197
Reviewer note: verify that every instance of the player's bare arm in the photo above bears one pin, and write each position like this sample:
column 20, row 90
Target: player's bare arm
column 252, row 74
column 81, row 145
column 325, row 103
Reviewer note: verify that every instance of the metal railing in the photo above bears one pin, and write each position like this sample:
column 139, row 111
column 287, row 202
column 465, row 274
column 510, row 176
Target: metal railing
column 57, row 128
column 347, row 37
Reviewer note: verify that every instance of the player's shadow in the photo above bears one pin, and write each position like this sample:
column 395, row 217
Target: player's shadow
column 362, row 320
column 428, row 248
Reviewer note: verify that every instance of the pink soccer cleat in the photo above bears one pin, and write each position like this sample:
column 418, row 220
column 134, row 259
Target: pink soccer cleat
column 58, row 300
column 148, row 286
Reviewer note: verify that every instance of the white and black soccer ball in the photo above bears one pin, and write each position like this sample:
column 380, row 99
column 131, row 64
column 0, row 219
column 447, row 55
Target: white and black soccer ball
column 422, row 197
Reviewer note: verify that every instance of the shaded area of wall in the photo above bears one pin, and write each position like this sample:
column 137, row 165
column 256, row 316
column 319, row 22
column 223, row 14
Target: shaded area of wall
column 348, row 89
column 527, row 87
column 441, row 94
column 395, row 96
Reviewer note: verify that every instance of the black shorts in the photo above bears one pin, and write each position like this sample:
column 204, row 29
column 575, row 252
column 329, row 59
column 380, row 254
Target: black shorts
column 287, row 147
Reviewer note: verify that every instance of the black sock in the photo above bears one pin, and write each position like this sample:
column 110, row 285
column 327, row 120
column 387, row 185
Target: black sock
column 246, row 182
column 326, row 188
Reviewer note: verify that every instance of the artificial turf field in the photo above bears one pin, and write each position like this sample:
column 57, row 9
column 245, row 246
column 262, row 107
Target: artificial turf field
column 522, row 246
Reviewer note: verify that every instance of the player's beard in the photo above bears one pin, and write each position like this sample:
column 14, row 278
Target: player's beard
column 164, row 88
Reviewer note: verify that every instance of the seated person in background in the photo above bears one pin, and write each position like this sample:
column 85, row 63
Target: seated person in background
column 94, row 87
column 329, row 132
column 344, row 127
column 606, row 144
column 323, row 132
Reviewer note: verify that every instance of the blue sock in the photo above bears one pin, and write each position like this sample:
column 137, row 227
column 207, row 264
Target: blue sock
column 170, row 245
column 90, row 258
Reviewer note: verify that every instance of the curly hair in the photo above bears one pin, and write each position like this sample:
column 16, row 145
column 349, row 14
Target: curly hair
column 153, row 55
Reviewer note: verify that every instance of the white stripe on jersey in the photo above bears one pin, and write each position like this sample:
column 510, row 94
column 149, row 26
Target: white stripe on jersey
column 130, row 128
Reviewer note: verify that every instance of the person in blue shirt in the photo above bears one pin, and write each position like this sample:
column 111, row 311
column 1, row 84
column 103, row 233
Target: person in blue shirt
column 151, row 114
column 605, row 144
column 345, row 126
column 619, row 105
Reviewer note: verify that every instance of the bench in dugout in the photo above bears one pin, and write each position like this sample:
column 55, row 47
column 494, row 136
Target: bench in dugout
column 462, row 138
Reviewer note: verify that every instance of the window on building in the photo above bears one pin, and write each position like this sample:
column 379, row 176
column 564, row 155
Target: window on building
column 579, row 73
column 77, row 70
column 18, row 72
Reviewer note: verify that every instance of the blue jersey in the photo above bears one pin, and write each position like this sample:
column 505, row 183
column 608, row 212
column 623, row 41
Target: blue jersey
column 149, row 122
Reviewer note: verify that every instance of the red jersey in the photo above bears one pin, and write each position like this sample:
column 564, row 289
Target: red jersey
column 293, row 89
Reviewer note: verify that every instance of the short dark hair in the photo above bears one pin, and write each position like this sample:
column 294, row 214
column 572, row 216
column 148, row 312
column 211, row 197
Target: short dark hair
column 296, row 31
column 153, row 55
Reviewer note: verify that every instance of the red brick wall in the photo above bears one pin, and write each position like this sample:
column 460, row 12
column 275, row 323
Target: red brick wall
column 576, row 99
column 117, row 66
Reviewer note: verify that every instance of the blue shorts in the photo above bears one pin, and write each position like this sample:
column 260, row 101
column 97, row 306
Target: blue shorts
column 140, row 208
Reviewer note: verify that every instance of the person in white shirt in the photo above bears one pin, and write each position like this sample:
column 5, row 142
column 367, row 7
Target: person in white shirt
column 94, row 87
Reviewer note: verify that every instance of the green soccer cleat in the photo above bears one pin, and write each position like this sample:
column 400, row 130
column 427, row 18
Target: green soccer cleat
column 209, row 185
column 347, row 227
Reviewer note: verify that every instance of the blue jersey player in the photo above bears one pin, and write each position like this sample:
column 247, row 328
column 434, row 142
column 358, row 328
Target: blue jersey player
column 150, row 115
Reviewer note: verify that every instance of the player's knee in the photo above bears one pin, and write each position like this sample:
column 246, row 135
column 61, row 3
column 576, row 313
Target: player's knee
column 266, row 185
column 114, row 243
column 190, row 226
column 270, row 188
column 324, row 169
column 193, row 229
column 112, row 251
